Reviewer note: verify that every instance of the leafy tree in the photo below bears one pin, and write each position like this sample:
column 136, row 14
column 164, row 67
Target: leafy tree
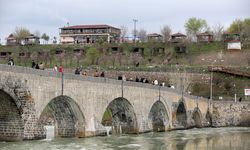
column 194, row 26
column 45, row 37
column 246, row 29
column 92, row 55
column 236, row 26
column 242, row 27
column 20, row 34
column 142, row 34
column 166, row 33
column 54, row 40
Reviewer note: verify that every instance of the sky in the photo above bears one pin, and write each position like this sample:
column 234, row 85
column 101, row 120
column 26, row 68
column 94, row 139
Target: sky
column 47, row 16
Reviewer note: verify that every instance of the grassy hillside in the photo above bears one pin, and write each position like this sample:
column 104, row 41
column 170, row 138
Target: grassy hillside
column 153, row 57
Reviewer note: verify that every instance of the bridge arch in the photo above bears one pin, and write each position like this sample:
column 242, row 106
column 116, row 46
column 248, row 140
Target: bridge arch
column 159, row 116
column 181, row 114
column 197, row 117
column 121, row 116
column 65, row 114
column 11, row 123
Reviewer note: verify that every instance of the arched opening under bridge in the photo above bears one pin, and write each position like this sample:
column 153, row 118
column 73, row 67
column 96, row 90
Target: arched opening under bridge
column 65, row 115
column 11, row 123
column 120, row 116
column 181, row 115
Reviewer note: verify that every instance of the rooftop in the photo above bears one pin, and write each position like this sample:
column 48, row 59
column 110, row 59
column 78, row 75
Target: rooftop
column 204, row 34
column 88, row 26
column 154, row 34
column 178, row 35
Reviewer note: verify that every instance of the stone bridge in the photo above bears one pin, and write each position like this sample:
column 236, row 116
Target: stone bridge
column 81, row 106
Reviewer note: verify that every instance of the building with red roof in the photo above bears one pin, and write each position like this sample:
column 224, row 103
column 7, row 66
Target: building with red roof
column 232, row 40
column 89, row 34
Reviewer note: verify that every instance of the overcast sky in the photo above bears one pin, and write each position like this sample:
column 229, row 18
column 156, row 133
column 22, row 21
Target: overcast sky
column 49, row 15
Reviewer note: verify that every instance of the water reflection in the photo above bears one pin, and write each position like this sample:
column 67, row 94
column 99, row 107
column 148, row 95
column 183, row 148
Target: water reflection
column 194, row 139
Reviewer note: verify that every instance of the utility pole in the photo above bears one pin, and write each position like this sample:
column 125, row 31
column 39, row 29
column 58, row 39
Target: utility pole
column 211, row 83
column 235, row 98
column 135, row 20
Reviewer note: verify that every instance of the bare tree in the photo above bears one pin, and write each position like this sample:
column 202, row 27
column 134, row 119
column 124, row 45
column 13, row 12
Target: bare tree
column 181, row 79
column 166, row 33
column 124, row 31
column 20, row 34
column 218, row 31
column 45, row 37
column 142, row 34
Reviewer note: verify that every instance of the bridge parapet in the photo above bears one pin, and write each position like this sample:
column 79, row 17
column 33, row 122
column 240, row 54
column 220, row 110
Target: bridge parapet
column 71, row 76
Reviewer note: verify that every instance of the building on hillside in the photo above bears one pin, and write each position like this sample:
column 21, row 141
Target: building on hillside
column 11, row 40
column 29, row 40
column 205, row 37
column 232, row 40
column 155, row 37
column 89, row 34
column 179, row 41
column 178, row 37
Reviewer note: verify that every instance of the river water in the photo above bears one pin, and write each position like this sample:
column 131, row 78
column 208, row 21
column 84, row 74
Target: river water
column 237, row 138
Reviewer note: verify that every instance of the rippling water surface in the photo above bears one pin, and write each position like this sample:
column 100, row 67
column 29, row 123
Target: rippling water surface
column 194, row 139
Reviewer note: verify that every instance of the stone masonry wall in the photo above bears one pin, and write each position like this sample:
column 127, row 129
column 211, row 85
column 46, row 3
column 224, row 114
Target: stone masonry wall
column 11, row 125
column 231, row 114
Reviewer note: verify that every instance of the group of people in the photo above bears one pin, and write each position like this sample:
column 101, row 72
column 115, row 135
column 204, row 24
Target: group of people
column 37, row 66
column 78, row 71
column 144, row 80
column 11, row 62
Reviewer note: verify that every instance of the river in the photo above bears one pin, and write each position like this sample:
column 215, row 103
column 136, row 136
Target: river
column 231, row 138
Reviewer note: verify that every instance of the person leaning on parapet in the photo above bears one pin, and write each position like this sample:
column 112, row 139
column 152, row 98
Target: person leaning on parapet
column 11, row 62
column 102, row 74
column 33, row 64
column 124, row 78
column 155, row 82
column 84, row 73
column 240, row 99
column 137, row 79
column 37, row 66
column 60, row 69
column 41, row 66
column 55, row 68
column 77, row 71
column 96, row 74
